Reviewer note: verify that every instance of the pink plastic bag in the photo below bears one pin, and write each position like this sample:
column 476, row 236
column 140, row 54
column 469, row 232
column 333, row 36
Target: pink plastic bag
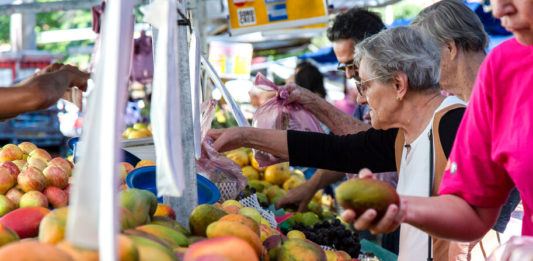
column 276, row 114
column 215, row 166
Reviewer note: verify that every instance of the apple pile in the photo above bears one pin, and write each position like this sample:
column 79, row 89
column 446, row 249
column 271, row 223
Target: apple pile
column 29, row 176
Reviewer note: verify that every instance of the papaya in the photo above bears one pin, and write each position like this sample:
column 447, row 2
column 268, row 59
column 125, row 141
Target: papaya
column 52, row 227
column 300, row 249
column 250, row 223
column 33, row 250
column 141, row 203
column 150, row 250
column 176, row 238
column 7, row 235
column 232, row 228
column 362, row 194
column 167, row 222
column 230, row 247
column 202, row 216
column 25, row 221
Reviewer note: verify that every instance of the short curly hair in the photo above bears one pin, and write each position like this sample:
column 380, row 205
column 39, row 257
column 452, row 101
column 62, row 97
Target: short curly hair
column 356, row 24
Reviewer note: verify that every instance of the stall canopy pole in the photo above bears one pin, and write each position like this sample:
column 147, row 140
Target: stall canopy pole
column 184, row 205
column 93, row 217
column 172, row 108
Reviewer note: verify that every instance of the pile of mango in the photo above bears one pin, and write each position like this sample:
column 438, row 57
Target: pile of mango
column 137, row 130
column 30, row 177
column 148, row 232
column 272, row 183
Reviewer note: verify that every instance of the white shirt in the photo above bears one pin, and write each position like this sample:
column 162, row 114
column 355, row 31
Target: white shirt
column 413, row 180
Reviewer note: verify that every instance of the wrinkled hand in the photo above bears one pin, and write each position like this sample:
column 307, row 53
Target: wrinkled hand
column 227, row 139
column 298, row 197
column 392, row 219
column 300, row 95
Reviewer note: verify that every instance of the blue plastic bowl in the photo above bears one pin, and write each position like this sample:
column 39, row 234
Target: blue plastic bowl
column 73, row 145
column 144, row 178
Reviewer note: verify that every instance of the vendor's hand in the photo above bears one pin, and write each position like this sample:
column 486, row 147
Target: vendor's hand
column 77, row 77
column 227, row 139
column 300, row 95
column 298, row 197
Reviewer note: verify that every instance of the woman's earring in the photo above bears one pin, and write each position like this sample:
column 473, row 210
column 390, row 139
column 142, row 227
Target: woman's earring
column 398, row 98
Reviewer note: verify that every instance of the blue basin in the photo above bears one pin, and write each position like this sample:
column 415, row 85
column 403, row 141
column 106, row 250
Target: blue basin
column 144, row 178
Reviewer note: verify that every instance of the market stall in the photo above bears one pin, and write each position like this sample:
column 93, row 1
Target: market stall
column 160, row 190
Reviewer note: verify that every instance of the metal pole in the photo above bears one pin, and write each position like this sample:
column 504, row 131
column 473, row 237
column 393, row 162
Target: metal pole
column 184, row 205
column 199, row 14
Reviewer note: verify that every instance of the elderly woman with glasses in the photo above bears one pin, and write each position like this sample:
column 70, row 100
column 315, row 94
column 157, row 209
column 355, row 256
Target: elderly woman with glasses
column 411, row 122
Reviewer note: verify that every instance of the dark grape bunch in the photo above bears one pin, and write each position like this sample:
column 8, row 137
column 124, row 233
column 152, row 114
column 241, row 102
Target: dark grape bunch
column 332, row 234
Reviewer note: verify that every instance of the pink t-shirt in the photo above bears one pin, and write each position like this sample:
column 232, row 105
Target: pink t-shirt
column 493, row 150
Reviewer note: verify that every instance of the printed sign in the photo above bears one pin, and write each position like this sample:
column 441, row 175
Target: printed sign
column 248, row 16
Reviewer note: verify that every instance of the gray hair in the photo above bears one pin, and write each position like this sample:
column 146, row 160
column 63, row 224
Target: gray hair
column 452, row 20
column 402, row 49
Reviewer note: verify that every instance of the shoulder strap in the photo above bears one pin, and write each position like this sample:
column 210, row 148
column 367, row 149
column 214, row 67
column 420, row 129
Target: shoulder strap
column 398, row 149
column 440, row 157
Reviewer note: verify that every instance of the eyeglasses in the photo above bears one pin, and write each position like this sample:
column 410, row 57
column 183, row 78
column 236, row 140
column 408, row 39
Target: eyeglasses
column 350, row 66
column 360, row 87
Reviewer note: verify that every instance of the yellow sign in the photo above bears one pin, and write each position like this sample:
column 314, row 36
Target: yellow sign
column 231, row 60
column 248, row 16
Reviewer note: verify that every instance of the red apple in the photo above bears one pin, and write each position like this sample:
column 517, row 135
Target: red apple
column 27, row 147
column 11, row 167
column 40, row 154
column 14, row 195
column 37, row 163
column 6, row 180
column 57, row 197
column 63, row 163
column 33, row 199
column 20, row 164
column 31, row 179
column 56, row 176
column 10, row 152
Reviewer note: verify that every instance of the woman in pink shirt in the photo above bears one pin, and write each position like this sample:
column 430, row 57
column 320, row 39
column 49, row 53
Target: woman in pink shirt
column 492, row 151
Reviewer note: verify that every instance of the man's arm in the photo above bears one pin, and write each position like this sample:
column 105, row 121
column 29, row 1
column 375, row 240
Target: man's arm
column 299, row 197
column 337, row 121
column 40, row 91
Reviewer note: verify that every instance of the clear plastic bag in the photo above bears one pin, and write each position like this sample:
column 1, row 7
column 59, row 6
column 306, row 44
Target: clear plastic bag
column 224, row 172
column 277, row 114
